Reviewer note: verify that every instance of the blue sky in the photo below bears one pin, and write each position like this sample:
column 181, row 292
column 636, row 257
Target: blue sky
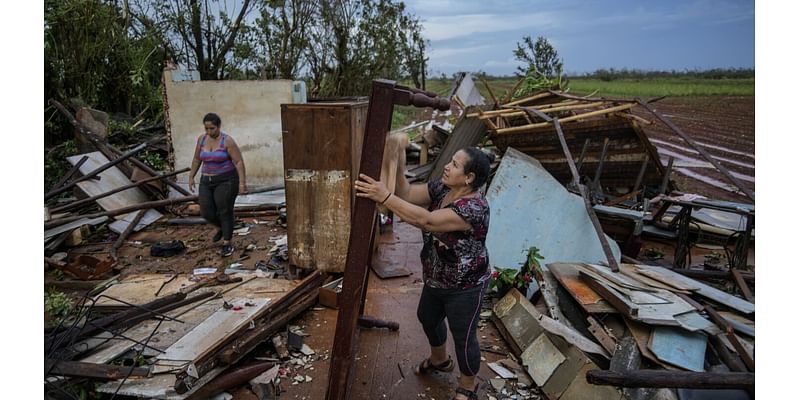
column 470, row 35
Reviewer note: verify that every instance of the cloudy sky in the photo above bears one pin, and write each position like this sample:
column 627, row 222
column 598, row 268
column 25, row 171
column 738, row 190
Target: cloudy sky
column 472, row 35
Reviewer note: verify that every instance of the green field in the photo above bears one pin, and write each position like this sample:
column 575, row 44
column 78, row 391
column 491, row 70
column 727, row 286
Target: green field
column 654, row 87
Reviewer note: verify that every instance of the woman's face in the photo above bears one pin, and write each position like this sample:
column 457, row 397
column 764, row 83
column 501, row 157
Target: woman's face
column 211, row 129
column 453, row 175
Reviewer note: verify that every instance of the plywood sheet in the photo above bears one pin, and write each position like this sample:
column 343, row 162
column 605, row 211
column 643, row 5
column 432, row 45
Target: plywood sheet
column 703, row 289
column 588, row 299
column 214, row 330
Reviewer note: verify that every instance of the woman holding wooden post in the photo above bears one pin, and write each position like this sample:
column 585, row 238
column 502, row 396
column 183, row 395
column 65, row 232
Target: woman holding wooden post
column 223, row 178
column 454, row 218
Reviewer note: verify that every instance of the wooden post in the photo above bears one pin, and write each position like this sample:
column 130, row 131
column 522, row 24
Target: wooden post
column 583, row 154
column 384, row 95
column 673, row 379
column 640, row 177
column 601, row 161
column 665, row 181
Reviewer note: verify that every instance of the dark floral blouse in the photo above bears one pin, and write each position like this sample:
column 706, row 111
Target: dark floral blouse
column 456, row 259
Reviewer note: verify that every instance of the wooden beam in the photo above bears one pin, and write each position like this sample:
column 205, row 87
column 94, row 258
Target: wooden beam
column 358, row 252
column 69, row 174
column 78, row 369
column 130, row 228
column 119, row 211
column 537, row 96
column 96, row 171
column 79, row 203
column 527, row 128
column 737, row 277
column 673, row 379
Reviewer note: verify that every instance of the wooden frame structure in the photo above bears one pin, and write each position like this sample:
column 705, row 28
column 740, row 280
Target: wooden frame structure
column 385, row 94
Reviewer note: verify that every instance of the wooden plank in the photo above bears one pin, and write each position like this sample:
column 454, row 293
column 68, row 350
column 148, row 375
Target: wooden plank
column 737, row 277
column 214, row 330
column 665, row 279
column 704, row 290
column 632, row 272
column 73, row 225
column 599, row 332
column 359, row 250
column 89, row 370
column 588, row 299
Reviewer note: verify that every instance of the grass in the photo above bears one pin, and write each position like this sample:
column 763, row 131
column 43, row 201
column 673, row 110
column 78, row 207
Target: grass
column 665, row 87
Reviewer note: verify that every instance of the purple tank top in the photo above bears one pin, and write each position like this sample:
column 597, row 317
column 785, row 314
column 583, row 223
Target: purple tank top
column 218, row 161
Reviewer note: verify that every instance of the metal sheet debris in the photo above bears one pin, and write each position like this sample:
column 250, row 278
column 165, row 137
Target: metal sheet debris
column 679, row 347
column 531, row 208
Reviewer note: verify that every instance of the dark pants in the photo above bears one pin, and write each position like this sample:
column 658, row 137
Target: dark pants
column 217, row 196
column 462, row 307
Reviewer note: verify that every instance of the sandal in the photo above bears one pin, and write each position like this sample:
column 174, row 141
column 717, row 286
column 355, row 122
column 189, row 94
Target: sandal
column 426, row 366
column 471, row 394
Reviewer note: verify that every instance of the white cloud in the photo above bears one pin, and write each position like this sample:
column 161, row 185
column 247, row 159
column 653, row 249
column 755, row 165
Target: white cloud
column 456, row 26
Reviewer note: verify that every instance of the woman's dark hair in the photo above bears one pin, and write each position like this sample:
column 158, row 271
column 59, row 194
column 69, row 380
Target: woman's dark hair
column 213, row 118
column 478, row 164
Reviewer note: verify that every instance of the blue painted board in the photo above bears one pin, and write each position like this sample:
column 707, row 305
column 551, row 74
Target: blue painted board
column 531, row 208
column 679, row 347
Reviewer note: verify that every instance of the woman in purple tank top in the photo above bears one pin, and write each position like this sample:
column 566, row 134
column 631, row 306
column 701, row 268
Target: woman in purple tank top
column 223, row 178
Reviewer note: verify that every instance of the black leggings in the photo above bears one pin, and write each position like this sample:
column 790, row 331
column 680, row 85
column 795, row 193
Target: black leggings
column 462, row 307
column 217, row 196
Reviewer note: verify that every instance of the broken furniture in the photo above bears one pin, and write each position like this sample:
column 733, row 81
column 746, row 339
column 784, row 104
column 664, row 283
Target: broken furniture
column 610, row 147
column 683, row 219
column 319, row 184
column 385, row 94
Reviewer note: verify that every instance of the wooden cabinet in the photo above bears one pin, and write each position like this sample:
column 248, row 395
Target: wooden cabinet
column 321, row 155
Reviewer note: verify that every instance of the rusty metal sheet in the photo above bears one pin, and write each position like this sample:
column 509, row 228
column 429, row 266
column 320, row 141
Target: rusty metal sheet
column 531, row 208
column 588, row 299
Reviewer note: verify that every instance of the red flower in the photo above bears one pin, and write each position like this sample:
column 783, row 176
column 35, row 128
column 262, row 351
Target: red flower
column 527, row 278
column 495, row 274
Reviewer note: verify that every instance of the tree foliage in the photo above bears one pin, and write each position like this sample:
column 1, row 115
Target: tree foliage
column 201, row 34
column 94, row 53
column 544, row 68
column 540, row 56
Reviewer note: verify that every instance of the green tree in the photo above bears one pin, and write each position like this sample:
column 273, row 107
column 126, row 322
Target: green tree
column 540, row 56
column 357, row 41
column 282, row 35
column 95, row 53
